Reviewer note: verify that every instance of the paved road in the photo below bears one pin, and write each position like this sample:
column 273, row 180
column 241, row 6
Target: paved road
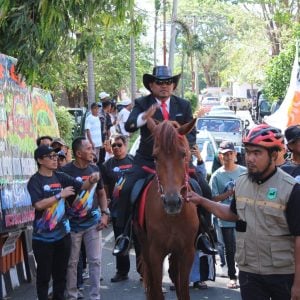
column 132, row 288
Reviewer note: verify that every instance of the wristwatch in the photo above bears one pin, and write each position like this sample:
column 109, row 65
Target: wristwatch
column 57, row 196
column 105, row 211
column 200, row 162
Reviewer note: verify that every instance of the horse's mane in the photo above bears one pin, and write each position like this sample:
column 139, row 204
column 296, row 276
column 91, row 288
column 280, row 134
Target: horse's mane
column 167, row 138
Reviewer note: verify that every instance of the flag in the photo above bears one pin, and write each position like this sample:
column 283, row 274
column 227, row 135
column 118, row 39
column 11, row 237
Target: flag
column 289, row 111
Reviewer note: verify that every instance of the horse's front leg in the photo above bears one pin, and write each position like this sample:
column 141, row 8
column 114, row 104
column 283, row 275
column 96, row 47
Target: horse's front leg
column 154, row 265
column 182, row 267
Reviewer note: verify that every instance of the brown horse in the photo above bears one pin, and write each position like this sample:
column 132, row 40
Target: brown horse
column 171, row 223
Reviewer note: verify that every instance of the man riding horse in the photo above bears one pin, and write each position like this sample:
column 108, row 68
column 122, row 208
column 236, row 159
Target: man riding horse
column 160, row 105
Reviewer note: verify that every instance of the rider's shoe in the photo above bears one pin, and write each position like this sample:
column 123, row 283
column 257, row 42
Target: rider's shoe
column 203, row 243
column 119, row 277
column 122, row 245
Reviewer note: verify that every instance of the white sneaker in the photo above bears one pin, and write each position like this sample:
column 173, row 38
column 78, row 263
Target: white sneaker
column 224, row 271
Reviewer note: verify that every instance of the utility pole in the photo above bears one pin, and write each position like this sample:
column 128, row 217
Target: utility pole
column 132, row 61
column 196, row 81
column 164, row 33
column 173, row 35
column 91, row 79
column 132, row 69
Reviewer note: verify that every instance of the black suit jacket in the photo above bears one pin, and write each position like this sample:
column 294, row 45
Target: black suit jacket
column 179, row 110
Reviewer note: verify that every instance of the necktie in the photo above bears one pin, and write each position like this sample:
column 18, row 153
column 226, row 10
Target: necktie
column 164, row 111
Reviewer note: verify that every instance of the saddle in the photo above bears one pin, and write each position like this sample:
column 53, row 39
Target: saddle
column 123, row 241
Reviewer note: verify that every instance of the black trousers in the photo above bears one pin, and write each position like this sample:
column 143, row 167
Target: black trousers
column 122, row 262
column 52, row 260
column 265, row 287
column 124, row 207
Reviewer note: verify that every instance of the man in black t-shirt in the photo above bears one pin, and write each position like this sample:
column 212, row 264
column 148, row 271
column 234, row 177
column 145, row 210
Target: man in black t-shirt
column 48, row 190
column 86, row 221
column 113, row 171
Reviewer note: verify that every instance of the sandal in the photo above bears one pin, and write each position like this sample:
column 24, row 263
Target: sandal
column 232, row 284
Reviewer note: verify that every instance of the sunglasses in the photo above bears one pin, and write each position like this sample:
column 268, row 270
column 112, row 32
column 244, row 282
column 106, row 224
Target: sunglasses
column 119, row 145
column 162, row 82
column 51, row 156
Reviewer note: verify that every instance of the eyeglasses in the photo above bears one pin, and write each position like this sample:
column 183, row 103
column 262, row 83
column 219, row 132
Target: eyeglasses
column 119, row 145
column 51, row 156
column 162, row 82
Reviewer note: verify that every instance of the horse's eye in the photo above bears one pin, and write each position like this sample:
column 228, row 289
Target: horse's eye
column 183, row 154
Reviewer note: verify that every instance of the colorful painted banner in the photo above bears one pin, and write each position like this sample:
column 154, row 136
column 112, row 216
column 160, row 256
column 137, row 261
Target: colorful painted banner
column 25, row 114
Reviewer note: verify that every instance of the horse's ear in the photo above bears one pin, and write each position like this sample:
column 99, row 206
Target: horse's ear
column 186, row 128
column 151, row 124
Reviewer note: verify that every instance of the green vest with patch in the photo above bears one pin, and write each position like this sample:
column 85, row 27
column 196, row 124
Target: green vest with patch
column 267, row 247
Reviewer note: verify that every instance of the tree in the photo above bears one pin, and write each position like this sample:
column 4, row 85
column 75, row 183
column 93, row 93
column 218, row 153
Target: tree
column 279, row 17
column 227, row 33
column 32, row 30
column 248, row 54
column 278, row 73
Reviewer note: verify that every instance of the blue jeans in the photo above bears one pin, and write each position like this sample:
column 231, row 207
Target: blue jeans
column 265, row 287
column 229, row 243
column 220, row 244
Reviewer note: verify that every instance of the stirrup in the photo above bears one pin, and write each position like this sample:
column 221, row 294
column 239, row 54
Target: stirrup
column 122, row 245
column 203, row 243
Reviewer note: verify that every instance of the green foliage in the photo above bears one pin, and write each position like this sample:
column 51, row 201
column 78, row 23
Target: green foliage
column 225, row 36
column 66, row 123
column 33, row 31
column 278, row 73
column 193, row 99
column 112, row 61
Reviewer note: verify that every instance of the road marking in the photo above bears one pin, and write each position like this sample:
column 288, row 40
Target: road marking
column 107, row 238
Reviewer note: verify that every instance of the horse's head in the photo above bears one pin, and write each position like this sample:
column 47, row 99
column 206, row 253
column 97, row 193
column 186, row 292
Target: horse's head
column 172, row 155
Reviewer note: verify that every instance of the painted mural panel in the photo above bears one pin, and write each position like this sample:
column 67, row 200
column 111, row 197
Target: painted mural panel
column 25, row 114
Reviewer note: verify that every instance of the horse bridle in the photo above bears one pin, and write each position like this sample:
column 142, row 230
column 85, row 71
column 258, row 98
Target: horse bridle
column 185, row 185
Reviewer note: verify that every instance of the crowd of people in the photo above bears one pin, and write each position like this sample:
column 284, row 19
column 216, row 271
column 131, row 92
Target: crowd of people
column 250, row 212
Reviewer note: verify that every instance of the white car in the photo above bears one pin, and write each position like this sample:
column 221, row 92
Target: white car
column 209, row 102
column 208, row 147
column 220, row 110
column 223, row 127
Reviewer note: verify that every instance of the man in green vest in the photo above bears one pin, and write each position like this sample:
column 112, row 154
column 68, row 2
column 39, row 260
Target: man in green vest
column 266, row 211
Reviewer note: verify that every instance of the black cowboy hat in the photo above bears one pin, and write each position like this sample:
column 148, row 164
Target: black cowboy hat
column 160, row 73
